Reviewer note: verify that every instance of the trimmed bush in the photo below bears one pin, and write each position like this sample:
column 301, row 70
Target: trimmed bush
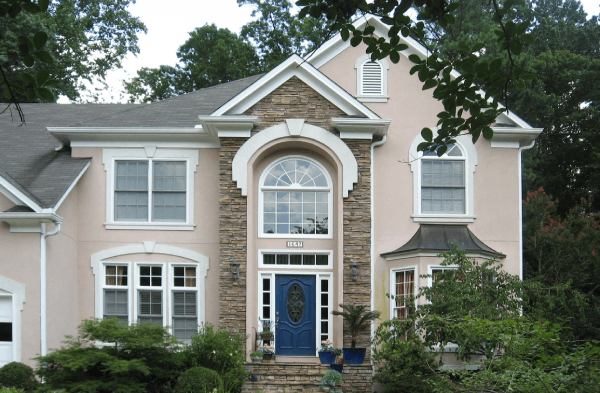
column 18, row 375
column 198, row 380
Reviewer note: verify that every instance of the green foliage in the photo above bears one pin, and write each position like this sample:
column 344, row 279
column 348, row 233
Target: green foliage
column 332, row 376
column 136, row 358
column 4, row 389
column 564, row 252
column 221, row 351
column 404, row 364
column 86, row 39
column 466, row 108
column 19, row 376
column 198, row 379
column 357, row 317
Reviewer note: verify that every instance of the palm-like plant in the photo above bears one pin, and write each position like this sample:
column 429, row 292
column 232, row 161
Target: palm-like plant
column 357, row 317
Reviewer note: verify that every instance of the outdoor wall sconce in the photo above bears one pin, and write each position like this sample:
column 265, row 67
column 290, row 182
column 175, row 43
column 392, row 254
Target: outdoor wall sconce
column 235, row 269
column 354, row 268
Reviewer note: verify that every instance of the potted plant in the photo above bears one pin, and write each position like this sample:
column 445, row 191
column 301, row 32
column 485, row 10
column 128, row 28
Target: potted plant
column 327, row 353
column 267, row 330
column 268, row 351
column 358, row 318
column 256, row 357
column 332, row 377
column 338, row 365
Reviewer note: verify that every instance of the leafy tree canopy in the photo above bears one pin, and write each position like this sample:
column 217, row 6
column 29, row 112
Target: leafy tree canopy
column 212, row 56
column 86, row 38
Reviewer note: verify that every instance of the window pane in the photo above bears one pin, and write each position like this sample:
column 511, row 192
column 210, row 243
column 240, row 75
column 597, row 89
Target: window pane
column 269, row 259
column 322, row 260
column 131, row 206
column 131, row 176
column 169, row 206
column 116, row 304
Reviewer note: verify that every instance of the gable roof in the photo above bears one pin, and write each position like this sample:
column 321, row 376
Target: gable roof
column 336, row 45
column 34, row 174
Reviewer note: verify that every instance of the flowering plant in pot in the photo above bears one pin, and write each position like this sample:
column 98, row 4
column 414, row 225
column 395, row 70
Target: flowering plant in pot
column 327, row 353
column 358, row 318
column 268, row 351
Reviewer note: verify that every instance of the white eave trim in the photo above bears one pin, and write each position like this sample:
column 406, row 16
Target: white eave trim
column 61, row 200
column 68, row 135
column 16, row 196
column 28, row 221
column 352, row 128
column 229, row 126
column 514, row 137
column 295, row 66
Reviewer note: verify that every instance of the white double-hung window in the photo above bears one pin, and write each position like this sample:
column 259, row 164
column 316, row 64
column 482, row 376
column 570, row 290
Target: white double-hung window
column 150, row 191
column 295, row 199
column 163, row 294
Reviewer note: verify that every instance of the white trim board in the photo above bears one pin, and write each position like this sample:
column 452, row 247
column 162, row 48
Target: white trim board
column 295, row 66
column 299, row 129
column 17, row 290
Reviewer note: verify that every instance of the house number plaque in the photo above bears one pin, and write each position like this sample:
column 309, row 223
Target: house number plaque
column 294, row 244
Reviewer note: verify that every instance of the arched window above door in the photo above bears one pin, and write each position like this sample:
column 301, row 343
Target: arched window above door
column 295, row 199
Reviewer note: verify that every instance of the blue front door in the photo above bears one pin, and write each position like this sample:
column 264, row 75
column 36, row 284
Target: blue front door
column 295, row 310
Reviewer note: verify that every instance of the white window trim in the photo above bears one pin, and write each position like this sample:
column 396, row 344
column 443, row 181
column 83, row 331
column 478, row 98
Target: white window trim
column 329, row 254
column 393, row 272
column 109, row 158
column 118, row 287
column 100, row 259
column 364, row 97
column 470, row 155
column 162, row 288
column 17, row 292
column 329, row 189
column 318, row 277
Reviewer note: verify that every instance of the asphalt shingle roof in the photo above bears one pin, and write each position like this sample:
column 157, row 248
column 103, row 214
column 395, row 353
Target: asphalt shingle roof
column 29, row 161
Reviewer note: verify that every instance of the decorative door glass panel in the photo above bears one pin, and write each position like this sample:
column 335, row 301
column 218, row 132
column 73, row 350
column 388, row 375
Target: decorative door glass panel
column 295, row 303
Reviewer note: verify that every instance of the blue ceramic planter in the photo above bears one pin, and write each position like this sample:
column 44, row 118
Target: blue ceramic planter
column 354, row 355
column 337, row 367
column 326, row 357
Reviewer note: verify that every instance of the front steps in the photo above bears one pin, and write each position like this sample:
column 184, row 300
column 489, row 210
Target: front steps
column 305, row 378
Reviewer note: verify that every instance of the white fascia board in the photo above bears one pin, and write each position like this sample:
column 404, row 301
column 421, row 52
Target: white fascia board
column 28, row 221
column 16, row 196
column 229, row 126
column 515, row 137
column 60, row 201
column 360, row 128
column 295, row 66
column 66, row 135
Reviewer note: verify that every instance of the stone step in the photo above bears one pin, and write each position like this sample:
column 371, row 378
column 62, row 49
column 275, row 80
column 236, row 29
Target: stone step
column 306, row 378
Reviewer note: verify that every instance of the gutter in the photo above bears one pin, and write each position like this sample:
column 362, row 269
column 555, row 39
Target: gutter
column 526, row 147
column 373, row 146
column 43, row 286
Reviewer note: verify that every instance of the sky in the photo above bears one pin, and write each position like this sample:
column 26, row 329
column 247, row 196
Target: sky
column 170, row 22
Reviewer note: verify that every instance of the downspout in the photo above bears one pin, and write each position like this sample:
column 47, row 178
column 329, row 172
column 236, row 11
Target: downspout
column 521, row 208
column 373, row 146
column 43, row 297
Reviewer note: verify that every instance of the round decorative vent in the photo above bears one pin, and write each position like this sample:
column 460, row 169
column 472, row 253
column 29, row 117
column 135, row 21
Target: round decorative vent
column 295, row 303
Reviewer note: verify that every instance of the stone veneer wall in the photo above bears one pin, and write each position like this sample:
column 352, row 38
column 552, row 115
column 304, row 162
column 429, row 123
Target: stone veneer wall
column 357, row 238
column 294, row 99
column 233, row 224
column 303, row 378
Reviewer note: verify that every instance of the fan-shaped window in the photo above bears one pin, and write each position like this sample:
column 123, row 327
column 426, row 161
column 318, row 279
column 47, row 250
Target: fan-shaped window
column 296, row 198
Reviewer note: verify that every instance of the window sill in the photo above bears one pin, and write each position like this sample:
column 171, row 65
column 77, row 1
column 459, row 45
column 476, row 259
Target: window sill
column 151, row 226
column 443, row 219
column 293, row 236
column 372, row 98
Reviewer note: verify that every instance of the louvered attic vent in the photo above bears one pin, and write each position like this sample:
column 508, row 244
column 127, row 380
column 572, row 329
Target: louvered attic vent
column 372, row 79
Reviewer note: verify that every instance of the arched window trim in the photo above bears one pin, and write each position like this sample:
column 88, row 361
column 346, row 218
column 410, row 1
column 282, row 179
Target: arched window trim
column 470, row 156
column 370, row 97
column 262, row 188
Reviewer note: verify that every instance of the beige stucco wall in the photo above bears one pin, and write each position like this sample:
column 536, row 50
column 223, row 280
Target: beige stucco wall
column 94, row 237
column 496, row 178
column 21, row 263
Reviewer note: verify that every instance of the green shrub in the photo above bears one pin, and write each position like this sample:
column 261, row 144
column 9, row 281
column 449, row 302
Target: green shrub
column 138, row 358
column 222, row 351
column 18, row 375
column 10, row 390
column 198, row 380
